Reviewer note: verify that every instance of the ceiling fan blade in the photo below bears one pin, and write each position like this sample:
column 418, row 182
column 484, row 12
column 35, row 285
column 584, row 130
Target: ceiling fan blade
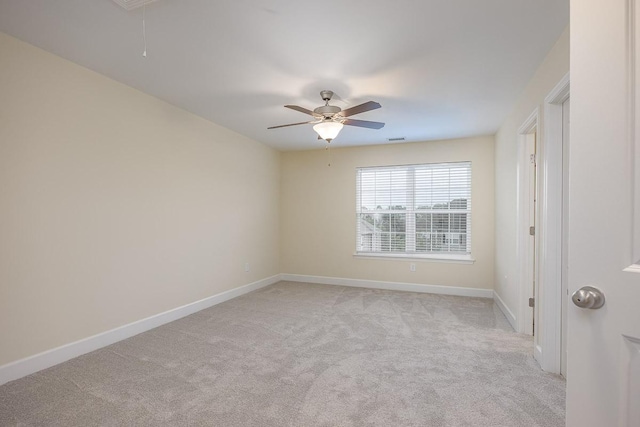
column 291, row 124
column 367, row 106
column 364, row 124
column 302, row 110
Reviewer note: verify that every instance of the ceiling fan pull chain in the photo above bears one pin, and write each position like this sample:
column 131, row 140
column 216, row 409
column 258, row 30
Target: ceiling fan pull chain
column 144, row 31
column 328, row 149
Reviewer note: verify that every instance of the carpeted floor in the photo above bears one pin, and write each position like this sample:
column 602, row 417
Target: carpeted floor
column 296, row 354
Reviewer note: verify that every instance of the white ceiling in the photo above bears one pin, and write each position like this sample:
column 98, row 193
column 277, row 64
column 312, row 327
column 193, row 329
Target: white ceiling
column 440, row 68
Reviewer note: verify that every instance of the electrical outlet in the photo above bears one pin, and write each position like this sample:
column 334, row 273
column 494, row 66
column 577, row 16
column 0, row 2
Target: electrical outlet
column 412, row 267
column 247, row 268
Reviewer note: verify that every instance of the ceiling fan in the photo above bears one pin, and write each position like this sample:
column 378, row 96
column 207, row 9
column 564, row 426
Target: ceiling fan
column 329, row 119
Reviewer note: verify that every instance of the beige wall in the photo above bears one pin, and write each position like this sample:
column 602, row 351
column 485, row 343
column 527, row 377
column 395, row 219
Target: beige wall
column 550, row 72
column 115, row 206
column 318, row 213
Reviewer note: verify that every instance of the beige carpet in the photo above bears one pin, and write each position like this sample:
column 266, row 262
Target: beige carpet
column 296, row 354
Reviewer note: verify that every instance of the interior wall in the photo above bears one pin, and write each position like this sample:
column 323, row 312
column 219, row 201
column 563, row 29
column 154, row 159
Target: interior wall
column 318, row 219
column 115, row 206
column 550, row 72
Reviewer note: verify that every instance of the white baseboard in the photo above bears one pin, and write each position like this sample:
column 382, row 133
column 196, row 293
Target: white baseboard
column 392, row 286
column 29, row 365
column 505, row 310
column 537, row 354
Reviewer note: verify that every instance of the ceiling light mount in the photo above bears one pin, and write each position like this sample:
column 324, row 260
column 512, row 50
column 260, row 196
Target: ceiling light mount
column 326, row 95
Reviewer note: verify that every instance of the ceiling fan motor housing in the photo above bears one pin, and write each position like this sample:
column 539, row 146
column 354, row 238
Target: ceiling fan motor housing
column 327, row 110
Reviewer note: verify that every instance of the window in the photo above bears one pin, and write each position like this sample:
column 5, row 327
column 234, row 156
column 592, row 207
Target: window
column 414, row 210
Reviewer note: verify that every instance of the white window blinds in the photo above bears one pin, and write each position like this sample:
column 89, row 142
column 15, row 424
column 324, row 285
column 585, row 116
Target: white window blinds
column 416, row 210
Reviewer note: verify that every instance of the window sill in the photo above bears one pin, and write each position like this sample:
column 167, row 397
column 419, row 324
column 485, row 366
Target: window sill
column 455, row 259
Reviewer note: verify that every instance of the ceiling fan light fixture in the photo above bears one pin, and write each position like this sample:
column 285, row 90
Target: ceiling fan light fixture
column 328, row 130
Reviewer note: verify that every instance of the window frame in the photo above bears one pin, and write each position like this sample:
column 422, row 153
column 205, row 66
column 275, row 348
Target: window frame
column 411, row 213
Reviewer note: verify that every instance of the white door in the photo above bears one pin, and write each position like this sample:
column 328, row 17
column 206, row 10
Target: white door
column 603, row 366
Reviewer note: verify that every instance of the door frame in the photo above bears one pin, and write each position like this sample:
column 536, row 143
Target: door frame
column 551, row 230
column 523, row 252
column 633, row 101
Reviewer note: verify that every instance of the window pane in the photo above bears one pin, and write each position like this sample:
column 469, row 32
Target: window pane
column 422, row 242
column 423, row 222
column 365, row 233
column 446, row 232
column 381, row 232
column 398, row 223
column 397, row 241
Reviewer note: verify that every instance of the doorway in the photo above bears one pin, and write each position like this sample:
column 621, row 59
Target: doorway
column 554, row 235
column 527, row 206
